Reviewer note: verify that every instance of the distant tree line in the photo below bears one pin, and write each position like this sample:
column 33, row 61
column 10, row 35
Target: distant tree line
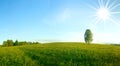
column 88, row 37
column 9, row 43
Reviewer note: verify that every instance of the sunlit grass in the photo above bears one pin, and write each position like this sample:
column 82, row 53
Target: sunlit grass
column 60, row 54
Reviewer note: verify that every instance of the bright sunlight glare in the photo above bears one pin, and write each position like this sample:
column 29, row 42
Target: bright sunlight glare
column 103, row 13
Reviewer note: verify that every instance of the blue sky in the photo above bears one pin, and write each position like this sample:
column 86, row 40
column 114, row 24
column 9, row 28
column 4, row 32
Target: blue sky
column 55, row 20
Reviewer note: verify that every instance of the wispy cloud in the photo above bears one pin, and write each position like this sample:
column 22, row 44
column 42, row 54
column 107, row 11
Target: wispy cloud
column 66, row 14
column 70, row 13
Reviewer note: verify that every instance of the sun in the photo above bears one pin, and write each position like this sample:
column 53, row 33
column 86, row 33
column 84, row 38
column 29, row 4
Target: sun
column 103, row 13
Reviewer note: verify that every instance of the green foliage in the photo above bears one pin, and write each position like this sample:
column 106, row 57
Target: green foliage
column 35, row 43
column 5, row 44
column 60, row 54
column 23, row 43
column 17, row 43
column 8, row 43
column 88, row 36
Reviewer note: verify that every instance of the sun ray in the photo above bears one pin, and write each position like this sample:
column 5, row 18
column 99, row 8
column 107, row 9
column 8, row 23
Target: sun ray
column 112, row 4
column 107, row 3
column 100, row 3
column 97, row 21
column 114, row 22
column 93, row 25
column 92, row 7
column 105, row 12
column 115, row 12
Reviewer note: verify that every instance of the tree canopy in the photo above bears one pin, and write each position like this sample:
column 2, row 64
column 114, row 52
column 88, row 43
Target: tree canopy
column 88, row 36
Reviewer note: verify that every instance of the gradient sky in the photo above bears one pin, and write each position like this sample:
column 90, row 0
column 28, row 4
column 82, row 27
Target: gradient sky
column 55, row 20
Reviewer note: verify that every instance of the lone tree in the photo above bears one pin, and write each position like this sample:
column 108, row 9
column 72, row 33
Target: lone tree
column 88, row 36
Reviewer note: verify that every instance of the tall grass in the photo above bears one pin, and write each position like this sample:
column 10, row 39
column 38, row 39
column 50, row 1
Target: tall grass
column 60, row 54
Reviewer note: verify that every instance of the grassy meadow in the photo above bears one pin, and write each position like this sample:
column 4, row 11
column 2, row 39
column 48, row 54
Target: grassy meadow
column 60, row 54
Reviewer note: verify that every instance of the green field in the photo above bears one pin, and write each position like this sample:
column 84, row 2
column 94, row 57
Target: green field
column 60, row 54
